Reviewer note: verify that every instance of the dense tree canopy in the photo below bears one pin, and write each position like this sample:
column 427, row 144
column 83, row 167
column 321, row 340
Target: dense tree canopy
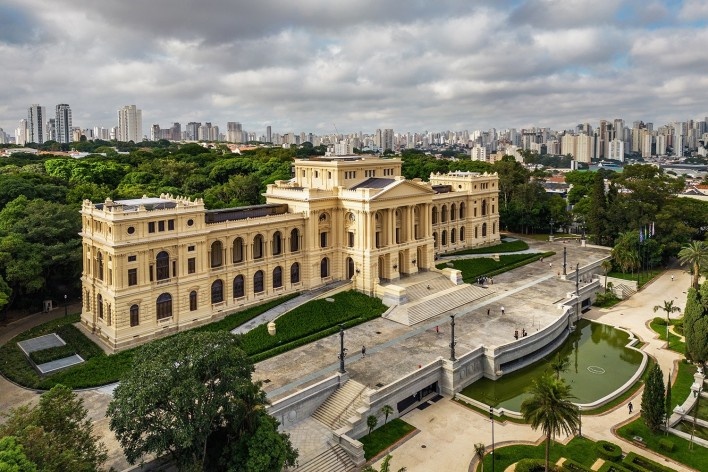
column 56, row 435
column 695, row 323
column 199, row 406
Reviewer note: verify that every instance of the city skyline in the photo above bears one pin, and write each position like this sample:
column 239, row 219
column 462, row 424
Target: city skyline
column 357, row 66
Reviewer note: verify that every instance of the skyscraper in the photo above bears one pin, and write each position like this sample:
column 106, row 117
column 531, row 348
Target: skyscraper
column 36, row 116
column 234, row 132
column 269, row 134
column 21, row 133
column 130, row 124
column 63, row 123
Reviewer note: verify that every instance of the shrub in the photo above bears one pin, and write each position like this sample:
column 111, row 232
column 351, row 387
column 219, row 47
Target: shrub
column 51, row 354
column 638, row 463
column 531, row 465
column 666, row 444
column 570, row 465
column 608, row 451
column 659, row 320
column 612, row 467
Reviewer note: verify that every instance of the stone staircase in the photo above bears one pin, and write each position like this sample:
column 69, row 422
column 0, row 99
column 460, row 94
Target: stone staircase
column 437, row 302
column 341, row 405
column 625, row 290
column 334, row 459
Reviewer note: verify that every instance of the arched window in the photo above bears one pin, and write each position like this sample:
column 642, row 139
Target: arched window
column 258, row 247
column 134, row 315
column 278, row 277
column 99, row 303
column 217, row 291
column 164, row 306
column 444, row 238
column 162, row 263
column 100, row 266
column 192, row 300
column 443, row 214
column 295, row 273
column 484, row 229
column 435, row 240
column 462, row 211
column 238, row 250
column 217, row 252
column 453, row 236
column 462, row 233
column 295, row 240
column 258, row 282
column 484, row 207
column 324, row 267
column 239, row 287
column 435, row 215
column 453, row 212
column 277, row 243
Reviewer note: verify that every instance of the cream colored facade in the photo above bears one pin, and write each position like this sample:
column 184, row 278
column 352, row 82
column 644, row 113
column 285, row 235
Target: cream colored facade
column 153, row 266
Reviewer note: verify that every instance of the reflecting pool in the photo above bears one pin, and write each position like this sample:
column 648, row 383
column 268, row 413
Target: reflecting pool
column 598, row 364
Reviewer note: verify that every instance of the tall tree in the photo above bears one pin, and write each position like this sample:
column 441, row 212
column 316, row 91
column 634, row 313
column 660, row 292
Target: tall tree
column 13, row 458
column 385, row 466
column 597, row 216
column 550, row 409
column 56, row 435
column 559, row 365
column 200, row 407
column 695, row 324
column 696, row 256
column 386, row 410
column 606, row 267
column 653, row 401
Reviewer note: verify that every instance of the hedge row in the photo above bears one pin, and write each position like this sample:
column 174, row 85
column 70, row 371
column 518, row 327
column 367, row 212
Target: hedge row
column 608, row 451
column 637, row 463
column 52, row 354
column 612, row 467
column 511, row 246
column 569, row 465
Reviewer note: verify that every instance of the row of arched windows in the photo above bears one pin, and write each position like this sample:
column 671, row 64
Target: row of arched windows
column 258, row 250
column 163, row 305
column 453, row 213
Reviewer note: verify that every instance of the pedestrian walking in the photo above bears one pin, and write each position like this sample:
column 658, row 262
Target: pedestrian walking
column 363, row 351
column 437, row 330
column 629, row 405
column 487, row 311
column 672, row 277
column 516, row 334
column 491, row 280
column 502, row 310
column 550, row 265
column 523, row 332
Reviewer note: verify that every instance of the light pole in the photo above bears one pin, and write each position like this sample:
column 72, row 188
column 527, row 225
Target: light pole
column 65, row 309
column 697, row 395
column 577, row 291
column 491, row 417
column 342, row 349
column 452, row 338
column 551, row 234
column 564, row 259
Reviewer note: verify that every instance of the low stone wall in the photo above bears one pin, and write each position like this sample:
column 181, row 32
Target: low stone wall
column 302, row 404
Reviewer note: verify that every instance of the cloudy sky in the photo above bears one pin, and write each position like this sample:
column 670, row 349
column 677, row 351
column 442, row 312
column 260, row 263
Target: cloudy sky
column 308, row 65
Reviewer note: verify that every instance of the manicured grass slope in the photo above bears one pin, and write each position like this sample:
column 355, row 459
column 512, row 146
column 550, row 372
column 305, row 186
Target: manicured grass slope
column 385, row 436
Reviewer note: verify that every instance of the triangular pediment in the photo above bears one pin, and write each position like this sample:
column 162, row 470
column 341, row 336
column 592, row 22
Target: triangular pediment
column 403, row 189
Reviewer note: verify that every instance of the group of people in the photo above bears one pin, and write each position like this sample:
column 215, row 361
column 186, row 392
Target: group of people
column 483, row 280
column 523, row 333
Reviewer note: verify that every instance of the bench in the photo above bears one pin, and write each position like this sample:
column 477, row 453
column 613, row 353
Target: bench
column 639, row 441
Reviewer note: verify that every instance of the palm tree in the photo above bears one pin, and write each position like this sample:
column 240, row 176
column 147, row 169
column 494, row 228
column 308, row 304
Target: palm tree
column 606, row 266
column 385, row 467
column 550, row 408
column 371, row 422
column 560, row 365
column 386, row 410
column 695, row 255
column 479, row 452
column 669, row 308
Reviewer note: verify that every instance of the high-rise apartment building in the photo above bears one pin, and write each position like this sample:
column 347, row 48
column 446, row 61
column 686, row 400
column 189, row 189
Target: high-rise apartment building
column 63, row 123
column 22, row 133
column 234, row 132
column 50, row 130
column 193, row 130
column 269, row 134
column 36, row 116
column 387, row 140
column 130, row 124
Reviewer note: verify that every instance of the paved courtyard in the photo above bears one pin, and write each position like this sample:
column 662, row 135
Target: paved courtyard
column 447, row 430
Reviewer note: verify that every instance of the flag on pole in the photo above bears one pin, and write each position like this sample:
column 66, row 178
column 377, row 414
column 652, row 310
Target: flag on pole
column 652, row 228
column 641, row 235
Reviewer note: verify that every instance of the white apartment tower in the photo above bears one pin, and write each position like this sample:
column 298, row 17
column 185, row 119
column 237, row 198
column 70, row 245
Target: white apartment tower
column 36, row 117
column 63, row 123
column 21, row 133
column 130, row 124
column 387, row 139
column 616, row 150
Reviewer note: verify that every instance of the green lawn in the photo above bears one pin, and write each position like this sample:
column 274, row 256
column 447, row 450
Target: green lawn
column 676, row 342
column 511, row 246
column 681, row 388
column 697, row 458
column 581, row 450
column 385, row 436
column 643, row 277
column 484, row 266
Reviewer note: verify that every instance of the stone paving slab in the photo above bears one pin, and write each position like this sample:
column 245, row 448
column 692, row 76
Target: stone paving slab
column 59, row 364
column 41, row 343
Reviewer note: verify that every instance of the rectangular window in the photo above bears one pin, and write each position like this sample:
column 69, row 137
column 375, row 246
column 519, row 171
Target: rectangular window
column 132, row 277
column 378, row 239
column 132, row 258
column 191, row 265
column 323, row 239
column 151, row 227
column 161, row 225
column 170, row 225
column 151, row 273
column 350, row 236
column 190, row 248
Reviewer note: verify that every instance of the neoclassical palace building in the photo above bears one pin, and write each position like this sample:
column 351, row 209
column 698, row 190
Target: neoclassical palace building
column 153, row 266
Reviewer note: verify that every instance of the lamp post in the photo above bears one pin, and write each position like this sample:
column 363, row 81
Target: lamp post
column 551, row 234
column 491, row 418
column 577, row 291
column 565, row 255
column 697, row 395
column 342, row 349
column 452, row 338
column 65, row 308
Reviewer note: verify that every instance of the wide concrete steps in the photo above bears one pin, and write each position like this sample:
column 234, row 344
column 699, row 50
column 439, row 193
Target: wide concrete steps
column 334, row 459
column 341, row 405
column 438, row 303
